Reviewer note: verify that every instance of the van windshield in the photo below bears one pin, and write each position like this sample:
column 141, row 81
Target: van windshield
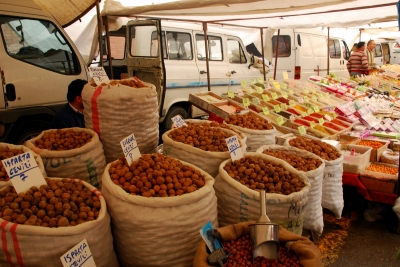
column 38, row 42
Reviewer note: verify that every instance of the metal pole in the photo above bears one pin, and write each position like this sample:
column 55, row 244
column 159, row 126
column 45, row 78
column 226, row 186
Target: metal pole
column 105, row 20
column 360, row 35
column 262, row 53
column 99, row 32
column 276, row 52
column 206, row 47
column 327, row 70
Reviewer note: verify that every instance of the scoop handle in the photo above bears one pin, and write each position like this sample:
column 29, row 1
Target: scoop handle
column 263, row 208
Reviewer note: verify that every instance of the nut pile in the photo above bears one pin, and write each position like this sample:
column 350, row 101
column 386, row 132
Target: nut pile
column 297, row 162
column 249, row 122
column 370, row 143
column 382, row 168
column 203, row 137
column 6, row 153
column 319, row 148
column 156, row 175
column 216, row 124
column 241, row 254
column 59, row 203
column 256, row 173
column 63, row 139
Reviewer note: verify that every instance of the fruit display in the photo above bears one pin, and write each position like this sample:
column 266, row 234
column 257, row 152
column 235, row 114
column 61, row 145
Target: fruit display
column 6, row 153
column 249, row 122
column 297, row 162
column 382, row 168
column 256, row 173
column 370, row 143
column 60, row 203
column 63, row 139
column 216, row 124
column 319, row 148
column 156, row 175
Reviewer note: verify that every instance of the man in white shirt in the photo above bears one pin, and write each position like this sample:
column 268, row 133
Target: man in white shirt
column 370, row 52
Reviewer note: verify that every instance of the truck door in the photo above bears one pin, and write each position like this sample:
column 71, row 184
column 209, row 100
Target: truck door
column 378, row 60
column 386, row 53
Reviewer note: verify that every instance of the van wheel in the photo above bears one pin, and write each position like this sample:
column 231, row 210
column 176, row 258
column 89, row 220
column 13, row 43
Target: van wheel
column 28, row 130
column 166, row 125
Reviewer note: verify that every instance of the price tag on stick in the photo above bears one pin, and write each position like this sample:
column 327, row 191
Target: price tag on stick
column 99, row 75
column 23, row 172
column 234, row 148
column 265, row 97
column 130, row 149
column 265, row 111
column 178, row 121
column 246, row 102
column 231, row 94
column 302, row 130
column 80, row 255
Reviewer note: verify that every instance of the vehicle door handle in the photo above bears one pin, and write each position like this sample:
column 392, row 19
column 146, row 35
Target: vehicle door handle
column 203, row 72
column 288, row 71
column 10, row 92
column 233, row 72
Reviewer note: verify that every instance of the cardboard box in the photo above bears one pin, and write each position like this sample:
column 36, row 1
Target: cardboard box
column 347, row 139
column 375, row 153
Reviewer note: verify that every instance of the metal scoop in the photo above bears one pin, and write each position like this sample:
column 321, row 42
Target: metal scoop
column 264, row 234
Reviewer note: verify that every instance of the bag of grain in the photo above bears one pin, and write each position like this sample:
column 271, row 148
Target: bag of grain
column 313, row 167
column 118, row 110
column 286, row 191
column 71, row 152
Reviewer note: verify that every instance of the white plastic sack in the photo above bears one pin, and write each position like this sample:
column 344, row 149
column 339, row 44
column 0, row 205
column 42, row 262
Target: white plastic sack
column 313, row 217
column 86, row 163
column 332, row 189
column 26, row 245
column 205, row 160
column 238, row 203
column 159, row 231
column 117, row 111
column 38, row 159
column 396, row 207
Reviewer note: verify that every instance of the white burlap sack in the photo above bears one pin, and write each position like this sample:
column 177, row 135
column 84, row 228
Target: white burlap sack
column 205, row 160
column 313, row 219
column 86, row 163
column 117, row 111
column 26, row 245
column 38, row 159
column 396, row 207
column 159, row 231
column 332, row 189
column 238, row 203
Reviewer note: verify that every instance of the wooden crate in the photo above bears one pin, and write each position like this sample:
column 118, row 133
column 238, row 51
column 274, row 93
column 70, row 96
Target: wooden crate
column 215, row 108
column 199, row 99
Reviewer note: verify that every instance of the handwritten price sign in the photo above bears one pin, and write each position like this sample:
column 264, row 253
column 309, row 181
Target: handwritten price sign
column 130, row 149
column 178, row 121
column 99, row 75
column 234, row 148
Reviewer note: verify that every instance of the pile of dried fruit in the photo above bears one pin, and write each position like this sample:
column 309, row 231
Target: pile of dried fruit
column 216, row 124
column 299, row 163
column 257, row 173
column 6, row 153
column 249, row 122
column 370, row 143
column 319, row 148
column 156, row 175
column 382, row 168
column 63, row 139
column 59, row 203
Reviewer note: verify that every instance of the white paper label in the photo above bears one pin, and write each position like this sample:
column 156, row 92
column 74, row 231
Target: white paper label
column 240, row 92
column 178, row 121
column 130, row 149
column 99, row 75
column 23, row 172
column 234, row 148
column 78, row 256
column 329, row 118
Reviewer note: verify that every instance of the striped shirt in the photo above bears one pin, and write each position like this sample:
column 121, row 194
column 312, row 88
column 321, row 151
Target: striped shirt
column 358, row 62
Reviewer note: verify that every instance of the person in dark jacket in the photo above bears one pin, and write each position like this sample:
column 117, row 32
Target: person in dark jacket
column 71, row 115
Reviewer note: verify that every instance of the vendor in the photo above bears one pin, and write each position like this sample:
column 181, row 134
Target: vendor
column 370, row 52
column 71, row 115
column 358, row 62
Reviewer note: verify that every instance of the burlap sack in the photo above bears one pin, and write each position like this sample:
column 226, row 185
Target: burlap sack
column 305, row 250
column 313, row 217
column 86, row 163
column 117, row 111
column 38, row 159
column 332, row 189
column 238, row 203
column 158, row 231
column 34, row 246
column 205, row 160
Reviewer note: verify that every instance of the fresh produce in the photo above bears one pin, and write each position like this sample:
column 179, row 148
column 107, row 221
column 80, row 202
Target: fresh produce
column 63, row 139
column 382, row 168
column 6, row 153
column 297, row 162
column 155, row 175
column 60, row 203
column 370, row 143
column 250, row 122
column 257, row 173
column 241, row 254
column 319, row 148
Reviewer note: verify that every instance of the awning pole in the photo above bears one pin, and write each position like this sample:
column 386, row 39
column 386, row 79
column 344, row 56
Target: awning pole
column 327, row 70
column 206, row 47
column 99, row 32
column 262, row 53
column 105, row 20
column 360, row 35
column 276, row 52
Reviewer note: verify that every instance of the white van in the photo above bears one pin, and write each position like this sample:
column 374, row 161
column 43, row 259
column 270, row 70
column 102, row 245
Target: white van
column 181, row 52
column 386, row 52
column 37, row 61
column 303, row 53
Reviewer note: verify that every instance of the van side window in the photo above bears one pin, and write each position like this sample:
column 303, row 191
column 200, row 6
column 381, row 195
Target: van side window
column 396, row 48
column 284, row 49
column 378, row 50
column 334, row 48
column 179, row 46
column 38, row 42
column 214, row 48
column 117, row 45
column 235, row 52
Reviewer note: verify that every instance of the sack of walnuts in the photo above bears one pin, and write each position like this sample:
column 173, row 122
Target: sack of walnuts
column 9, row 151
column 332, row 189
column 157, row 206
column 305, row 250
column 202, row 146
column 313, row 167
column 42, row 224
column 117, row 110
column 71, row 153
column 239, row 201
